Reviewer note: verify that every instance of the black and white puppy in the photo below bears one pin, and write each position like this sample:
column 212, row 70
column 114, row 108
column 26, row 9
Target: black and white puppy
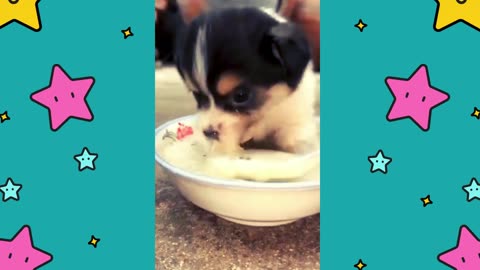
column 249, row 72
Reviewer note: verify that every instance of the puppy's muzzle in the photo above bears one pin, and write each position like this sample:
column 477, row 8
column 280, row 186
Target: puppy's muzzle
column 211, row 133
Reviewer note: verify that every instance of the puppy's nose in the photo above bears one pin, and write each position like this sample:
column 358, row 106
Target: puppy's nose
column 211, row 133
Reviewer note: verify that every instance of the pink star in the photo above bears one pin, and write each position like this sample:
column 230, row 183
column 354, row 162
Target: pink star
column 20, row 254
column 414, row 98
column 65, row 98
column 466, row 255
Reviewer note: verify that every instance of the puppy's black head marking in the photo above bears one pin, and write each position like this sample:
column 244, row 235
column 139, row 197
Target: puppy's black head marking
column 286, row 45
column 248, row 42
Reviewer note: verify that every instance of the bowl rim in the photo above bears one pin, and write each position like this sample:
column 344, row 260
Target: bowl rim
column 228, row 183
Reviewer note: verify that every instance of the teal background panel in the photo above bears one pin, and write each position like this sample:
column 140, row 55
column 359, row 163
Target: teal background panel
column 62, row 205
column 378, row 217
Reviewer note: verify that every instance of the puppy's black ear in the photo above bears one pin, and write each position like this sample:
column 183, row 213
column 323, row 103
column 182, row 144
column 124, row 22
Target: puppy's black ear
column 286, row 45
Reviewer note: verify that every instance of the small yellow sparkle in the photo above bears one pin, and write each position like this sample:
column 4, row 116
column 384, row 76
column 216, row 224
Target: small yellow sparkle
column 4, row 117
column 426, row 201
column 360, row 265
column 127, row 33
column 476, row 113
column 361, row 25
column 94, row 241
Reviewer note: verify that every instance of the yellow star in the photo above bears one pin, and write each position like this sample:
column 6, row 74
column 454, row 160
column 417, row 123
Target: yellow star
column 360, row 25
column 426, row 201
column 24, row 12
column 360, row 265
column 94, row 241
column 476, row 113
column 449, row 12
column 4, row 117
column 127, row 33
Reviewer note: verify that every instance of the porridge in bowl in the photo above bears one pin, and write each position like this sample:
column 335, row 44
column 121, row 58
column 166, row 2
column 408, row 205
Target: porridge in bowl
column 182, row 146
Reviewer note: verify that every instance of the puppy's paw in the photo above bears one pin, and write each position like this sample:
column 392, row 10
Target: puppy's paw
column 246, row 137
column 298, row 147
column 257, row 131
column 297, row 140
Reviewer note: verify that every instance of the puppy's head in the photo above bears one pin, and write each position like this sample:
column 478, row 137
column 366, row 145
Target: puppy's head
column 238, row 63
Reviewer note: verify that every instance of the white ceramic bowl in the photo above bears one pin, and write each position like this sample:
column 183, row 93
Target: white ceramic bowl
column 245, row 202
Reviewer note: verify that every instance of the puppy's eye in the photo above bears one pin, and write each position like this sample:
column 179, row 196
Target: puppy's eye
column 241, row 96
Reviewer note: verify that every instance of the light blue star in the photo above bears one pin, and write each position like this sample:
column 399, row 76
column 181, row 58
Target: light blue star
column 86, row 160
column 10, row 190
column 379, row 162
column 473, row 190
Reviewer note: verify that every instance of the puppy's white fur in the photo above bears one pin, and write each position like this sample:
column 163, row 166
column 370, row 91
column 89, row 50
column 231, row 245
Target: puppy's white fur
column 287, row 115
column 200, row 65
column 270, row 12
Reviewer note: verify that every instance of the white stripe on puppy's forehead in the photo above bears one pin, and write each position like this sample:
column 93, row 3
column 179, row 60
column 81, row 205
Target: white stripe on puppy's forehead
column 270, row 12
column 200, row 64
column 189, row 84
